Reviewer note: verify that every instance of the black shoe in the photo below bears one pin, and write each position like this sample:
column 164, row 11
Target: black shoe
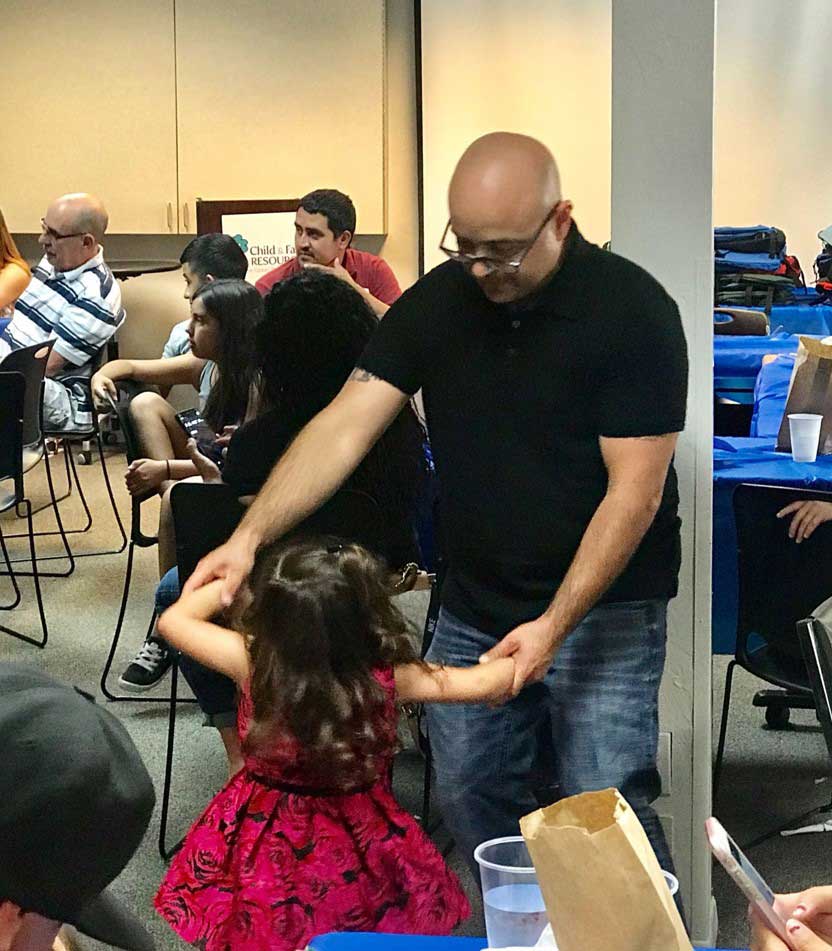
column 149, row 666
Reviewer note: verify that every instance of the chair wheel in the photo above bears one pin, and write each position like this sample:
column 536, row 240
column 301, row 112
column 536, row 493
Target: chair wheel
column 85, row 457
column 108, row 438
column 777, row 716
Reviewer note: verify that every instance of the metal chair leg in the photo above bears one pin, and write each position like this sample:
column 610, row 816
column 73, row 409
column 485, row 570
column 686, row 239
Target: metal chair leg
column 72, row 476
column 35, row 580
column 107, row 482
column 723, row 726
column 164, row 852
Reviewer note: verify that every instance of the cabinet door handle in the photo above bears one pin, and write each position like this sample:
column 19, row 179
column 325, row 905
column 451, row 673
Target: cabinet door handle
column 187, row 217
column 170, row 216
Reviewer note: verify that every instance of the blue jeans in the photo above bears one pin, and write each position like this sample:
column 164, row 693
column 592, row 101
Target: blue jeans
column 215, row 694
column 601, row 699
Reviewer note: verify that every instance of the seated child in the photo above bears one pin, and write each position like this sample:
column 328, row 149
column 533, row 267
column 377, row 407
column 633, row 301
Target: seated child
column 307, row 837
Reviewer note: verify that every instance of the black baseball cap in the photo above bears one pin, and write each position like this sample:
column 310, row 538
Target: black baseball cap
column 75, row 801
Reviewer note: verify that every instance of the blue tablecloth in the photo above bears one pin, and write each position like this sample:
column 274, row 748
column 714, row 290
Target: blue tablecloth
column 801, row 318
column 391, row 942
column 738, row 460
column 743, row 356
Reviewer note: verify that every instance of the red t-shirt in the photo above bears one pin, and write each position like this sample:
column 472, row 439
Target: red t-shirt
column 367, row 270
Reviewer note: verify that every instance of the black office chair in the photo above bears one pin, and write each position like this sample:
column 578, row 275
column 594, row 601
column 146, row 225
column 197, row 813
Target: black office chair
column 31, row 363
column 138, row 539
column 85, row 436
column 780, row 583
column 13, row 388
column 816, row 646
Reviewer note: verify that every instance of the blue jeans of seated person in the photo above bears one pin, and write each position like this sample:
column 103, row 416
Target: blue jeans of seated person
column 601, row 696
column 215, row 694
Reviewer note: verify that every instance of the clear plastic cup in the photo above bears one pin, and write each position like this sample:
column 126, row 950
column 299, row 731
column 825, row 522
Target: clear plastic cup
column 515, row 914
column 804, row 429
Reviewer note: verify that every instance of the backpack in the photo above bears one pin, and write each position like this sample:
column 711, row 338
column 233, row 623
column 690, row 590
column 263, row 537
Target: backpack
column 747, row 289
column 823, row 264
column 758, row 239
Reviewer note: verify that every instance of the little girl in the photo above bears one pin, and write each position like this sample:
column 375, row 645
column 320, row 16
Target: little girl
column 307, row 838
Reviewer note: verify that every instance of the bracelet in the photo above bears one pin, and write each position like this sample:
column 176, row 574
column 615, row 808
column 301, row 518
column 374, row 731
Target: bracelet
column 167, row 464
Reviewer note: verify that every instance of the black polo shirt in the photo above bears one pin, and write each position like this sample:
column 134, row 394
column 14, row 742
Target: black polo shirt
column 516, row 398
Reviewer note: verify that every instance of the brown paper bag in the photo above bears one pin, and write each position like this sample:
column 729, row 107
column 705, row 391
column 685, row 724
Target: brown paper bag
column 600, row 878
column 810, row 391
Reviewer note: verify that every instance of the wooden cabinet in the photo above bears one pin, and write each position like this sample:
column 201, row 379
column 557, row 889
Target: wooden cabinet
column 88, row 105
column 153, row 104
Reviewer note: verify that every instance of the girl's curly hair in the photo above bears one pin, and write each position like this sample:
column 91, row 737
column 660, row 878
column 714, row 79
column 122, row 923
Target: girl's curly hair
column 320, row 620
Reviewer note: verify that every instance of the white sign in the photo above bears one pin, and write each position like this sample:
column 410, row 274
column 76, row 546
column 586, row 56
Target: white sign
column 267, row 239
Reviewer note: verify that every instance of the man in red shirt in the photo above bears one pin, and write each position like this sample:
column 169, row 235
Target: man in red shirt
column 324, row 226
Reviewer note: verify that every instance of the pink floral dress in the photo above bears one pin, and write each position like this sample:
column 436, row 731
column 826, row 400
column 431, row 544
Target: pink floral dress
column 273, row 862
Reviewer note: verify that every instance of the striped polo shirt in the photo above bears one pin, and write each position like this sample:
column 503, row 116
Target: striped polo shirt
column 81, row 309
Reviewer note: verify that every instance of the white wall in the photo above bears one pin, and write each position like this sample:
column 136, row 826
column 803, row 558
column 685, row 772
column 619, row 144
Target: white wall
column 546, row 71
column 773, row 141
column 661, row 217
column 542, row 68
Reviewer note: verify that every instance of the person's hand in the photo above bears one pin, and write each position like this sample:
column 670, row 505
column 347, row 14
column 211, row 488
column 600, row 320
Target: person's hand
column 814, row 906
column 808, row 514
column 809, row 912
column 338, row 269
column 801, row 936
column 102, row 387
column 145, row 475
column 224, row 438
column 206, row 467
column 231, row 563
column 531, row 646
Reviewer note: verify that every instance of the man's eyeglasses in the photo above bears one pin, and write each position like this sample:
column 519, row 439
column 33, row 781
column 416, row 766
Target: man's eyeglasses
column 56, row 235
column 507, row 265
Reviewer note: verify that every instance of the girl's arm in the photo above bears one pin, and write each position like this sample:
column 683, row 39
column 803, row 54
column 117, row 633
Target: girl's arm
column 163, row 372
column 185, row 626
column 430, row 683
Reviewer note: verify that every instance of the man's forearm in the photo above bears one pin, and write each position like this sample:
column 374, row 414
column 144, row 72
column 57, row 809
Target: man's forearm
column 612, row 536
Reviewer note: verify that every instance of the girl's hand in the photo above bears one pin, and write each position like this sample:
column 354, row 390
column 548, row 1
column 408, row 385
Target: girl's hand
column 224, row 437
column 801, row 937
column 808, row 514
column 206, row 467
column 145, row 475
column 102, row 387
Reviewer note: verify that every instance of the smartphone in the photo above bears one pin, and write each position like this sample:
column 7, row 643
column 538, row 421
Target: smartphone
column 196, row 428
column 749, row 880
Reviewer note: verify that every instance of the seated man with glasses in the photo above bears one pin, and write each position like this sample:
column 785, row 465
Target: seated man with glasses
column 72, row 299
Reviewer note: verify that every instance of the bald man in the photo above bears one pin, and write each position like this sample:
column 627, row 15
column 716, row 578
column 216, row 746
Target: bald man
column 554, row 383
column 72, row 298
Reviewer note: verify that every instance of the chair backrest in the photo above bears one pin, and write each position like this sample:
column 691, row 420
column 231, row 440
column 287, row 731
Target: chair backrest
column 12, row 403
column 31, row 362
column 816, row 642
column 780, row 582
column 132, row 446
column 204, row 517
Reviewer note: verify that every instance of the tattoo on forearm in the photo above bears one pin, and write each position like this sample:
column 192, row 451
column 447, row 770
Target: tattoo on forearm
column 362, row 376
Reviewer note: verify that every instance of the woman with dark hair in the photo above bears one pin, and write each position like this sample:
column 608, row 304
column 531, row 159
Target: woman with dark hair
column 220, row 366
column 314, row 329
